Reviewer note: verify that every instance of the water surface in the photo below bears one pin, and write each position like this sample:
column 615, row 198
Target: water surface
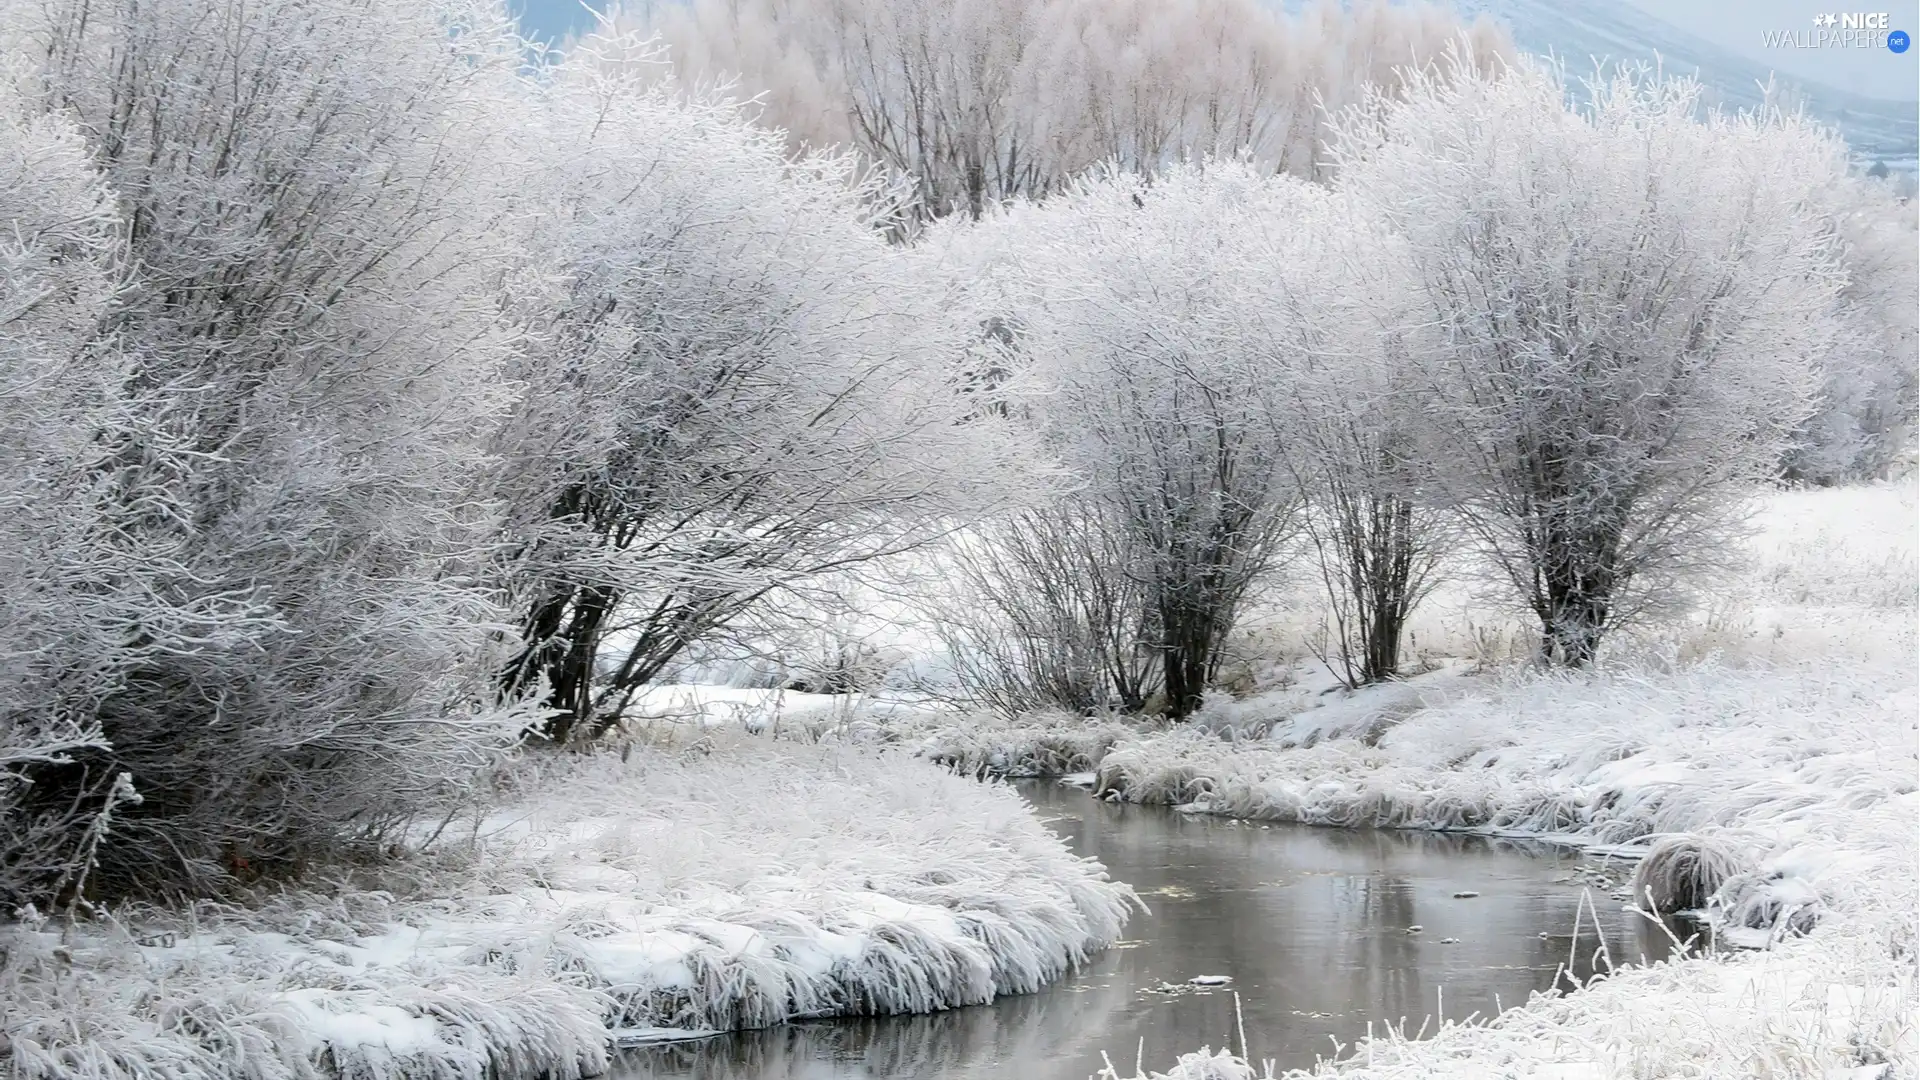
column 1311, row 924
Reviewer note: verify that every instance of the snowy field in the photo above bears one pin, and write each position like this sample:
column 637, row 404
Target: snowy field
column 750, row 856
column 1773, row 733
column 669, row 891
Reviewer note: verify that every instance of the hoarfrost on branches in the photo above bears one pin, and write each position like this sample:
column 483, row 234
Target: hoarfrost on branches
column 1632, row 305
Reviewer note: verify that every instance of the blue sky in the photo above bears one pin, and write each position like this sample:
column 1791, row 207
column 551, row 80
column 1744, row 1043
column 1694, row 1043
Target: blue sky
column 551, row 20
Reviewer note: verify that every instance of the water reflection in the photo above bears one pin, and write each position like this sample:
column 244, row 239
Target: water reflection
column 1313, row 925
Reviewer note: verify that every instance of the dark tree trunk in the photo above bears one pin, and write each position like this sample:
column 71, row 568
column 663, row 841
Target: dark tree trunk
column 1576, row 586
column 1390, row 586
column 1190, row 628
column 1186, row 682
column 563, row 639
column 1572, row 631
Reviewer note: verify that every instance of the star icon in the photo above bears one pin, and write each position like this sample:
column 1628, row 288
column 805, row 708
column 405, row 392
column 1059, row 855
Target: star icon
column 1824, row 20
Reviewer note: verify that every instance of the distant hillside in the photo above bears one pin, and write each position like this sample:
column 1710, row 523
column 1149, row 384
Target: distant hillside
column 1876, row 129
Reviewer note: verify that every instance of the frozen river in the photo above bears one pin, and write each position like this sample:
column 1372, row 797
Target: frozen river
column 1313, row 927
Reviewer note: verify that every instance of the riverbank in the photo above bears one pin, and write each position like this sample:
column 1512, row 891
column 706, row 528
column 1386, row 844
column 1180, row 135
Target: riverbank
column 1797, row 784
column 1300, row 933
column 1772, row 740
column 609, row 898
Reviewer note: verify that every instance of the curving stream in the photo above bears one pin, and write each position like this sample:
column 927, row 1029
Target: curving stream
column 1310, row 924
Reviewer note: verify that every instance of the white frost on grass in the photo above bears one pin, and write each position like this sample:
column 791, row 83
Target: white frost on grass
column 1806, row 778
column 1044, row 744
column 710, row 890
column 1605, row 758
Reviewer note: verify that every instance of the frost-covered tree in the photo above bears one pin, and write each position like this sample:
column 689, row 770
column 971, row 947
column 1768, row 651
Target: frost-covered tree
column 62, row 577
column 740, row 386
column 1043, row 611
column 1155, row 381
column 312, row 354
column 1632, row 300
column 1345, row 315
column 1865, row 419
column 979, row 101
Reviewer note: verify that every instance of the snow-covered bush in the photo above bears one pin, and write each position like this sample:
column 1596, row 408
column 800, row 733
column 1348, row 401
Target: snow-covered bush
column 1866, row 417
column 1345, row 315
column 739, row 385
column 312, row 356
column 1633, row 302
column 1143, row 334
column 1046, row 613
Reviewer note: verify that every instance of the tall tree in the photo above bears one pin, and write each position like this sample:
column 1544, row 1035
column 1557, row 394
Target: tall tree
column 1154, row 382
column 1345, row 315
column 1633, row 299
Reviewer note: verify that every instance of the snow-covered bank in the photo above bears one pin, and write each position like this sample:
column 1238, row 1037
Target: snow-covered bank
column 1787, row 765
column 1046, row 745
column 1804, row 778
column 727, row 886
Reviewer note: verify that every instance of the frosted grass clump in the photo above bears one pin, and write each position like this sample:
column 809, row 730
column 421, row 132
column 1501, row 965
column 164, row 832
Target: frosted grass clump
column 1682, row 873
column 1039, row 744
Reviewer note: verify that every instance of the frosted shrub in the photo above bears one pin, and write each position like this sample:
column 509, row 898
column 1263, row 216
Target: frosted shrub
column 1150, row 358
column 737, row 386
column 311, row 359
column 1865, row 420
column 62, row 576
column 1048, row 614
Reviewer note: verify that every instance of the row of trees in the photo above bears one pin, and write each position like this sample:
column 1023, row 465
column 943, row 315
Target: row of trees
column 374, row 397
column 1572, row 340
column 974, row 102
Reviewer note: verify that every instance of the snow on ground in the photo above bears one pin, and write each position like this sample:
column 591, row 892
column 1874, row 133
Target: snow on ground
column 1052, row 744
column 706, row 879
column 655, row 893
